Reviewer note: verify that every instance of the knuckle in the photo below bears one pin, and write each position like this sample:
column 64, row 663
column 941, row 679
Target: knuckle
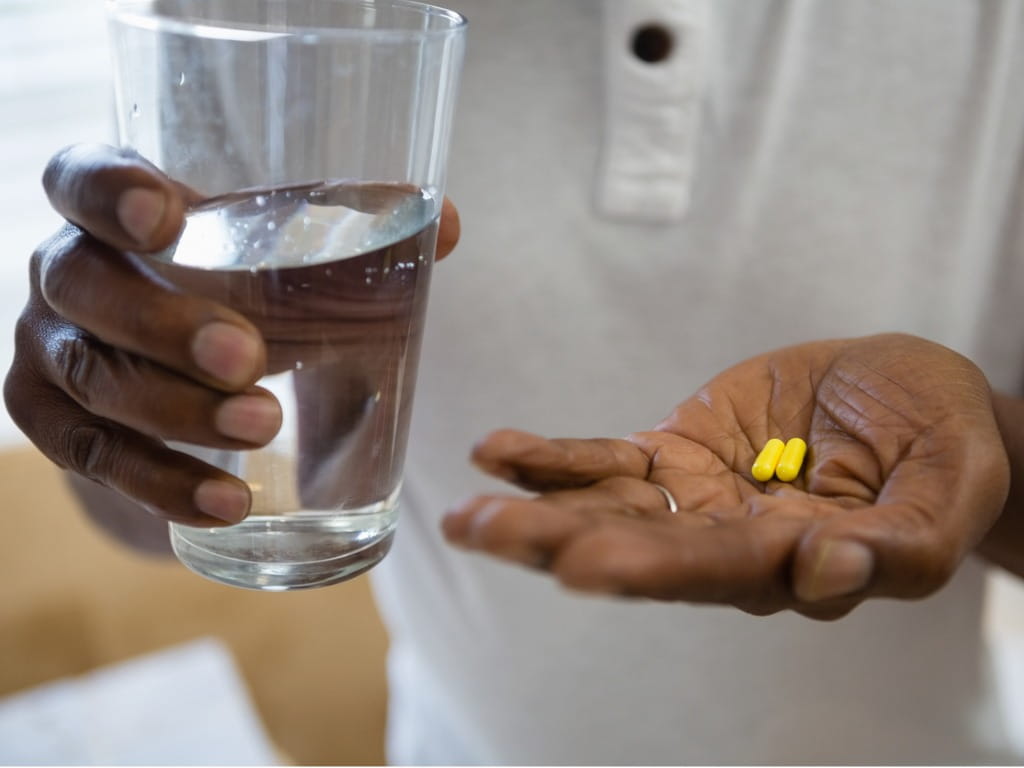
column 60, row 262
column 36, row 262
column 17, row 385
column 90, row 449
column 26, row 386
column 49, row 250
column 78, row 366
column 26, row 338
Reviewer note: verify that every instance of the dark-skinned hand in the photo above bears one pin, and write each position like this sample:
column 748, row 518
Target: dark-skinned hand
column 905, row 473
column 112, row 359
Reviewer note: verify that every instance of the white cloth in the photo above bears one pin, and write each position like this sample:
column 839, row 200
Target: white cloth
column 857, row 167
column 183, row 705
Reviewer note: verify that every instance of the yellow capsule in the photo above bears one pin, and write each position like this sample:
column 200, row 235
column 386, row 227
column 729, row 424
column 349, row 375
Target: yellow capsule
column 791, row 460
column 767, row 459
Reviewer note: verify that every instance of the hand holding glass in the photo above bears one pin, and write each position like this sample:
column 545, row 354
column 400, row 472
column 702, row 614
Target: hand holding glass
column 316, row 133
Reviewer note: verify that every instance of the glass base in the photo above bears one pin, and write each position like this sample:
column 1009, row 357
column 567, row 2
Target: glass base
column 278, row 554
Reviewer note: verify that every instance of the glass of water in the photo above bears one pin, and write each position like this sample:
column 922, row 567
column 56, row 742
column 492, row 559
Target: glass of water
column 316, row 133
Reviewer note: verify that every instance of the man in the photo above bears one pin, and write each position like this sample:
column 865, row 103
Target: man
column 652, row 191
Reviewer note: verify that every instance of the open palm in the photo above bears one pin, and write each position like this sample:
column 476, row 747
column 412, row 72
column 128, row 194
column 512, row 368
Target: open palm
column 904, row 475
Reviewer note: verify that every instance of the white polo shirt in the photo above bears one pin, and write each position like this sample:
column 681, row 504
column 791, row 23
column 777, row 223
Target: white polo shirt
column 788, row 171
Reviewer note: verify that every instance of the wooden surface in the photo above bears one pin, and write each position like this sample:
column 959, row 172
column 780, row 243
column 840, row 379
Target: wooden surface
column 72, row 599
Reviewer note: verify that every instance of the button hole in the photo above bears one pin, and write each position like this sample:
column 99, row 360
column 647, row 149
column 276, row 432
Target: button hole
column 652, row 43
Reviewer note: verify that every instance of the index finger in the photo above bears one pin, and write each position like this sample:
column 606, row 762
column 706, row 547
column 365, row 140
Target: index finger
column 113, row 296
column 538, row 464
column 116, row 196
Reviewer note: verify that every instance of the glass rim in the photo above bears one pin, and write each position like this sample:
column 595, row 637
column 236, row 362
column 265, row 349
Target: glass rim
column 141, row 14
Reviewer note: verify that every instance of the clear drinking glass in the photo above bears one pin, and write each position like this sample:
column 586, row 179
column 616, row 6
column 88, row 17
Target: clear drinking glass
column 316, row 133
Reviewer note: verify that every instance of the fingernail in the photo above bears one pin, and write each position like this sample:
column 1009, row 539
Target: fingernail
column 226, row 352
column 453, row 526
column 251, row 418
column 225, row 501
column 456, row 519
column 140, row 212
column 843, row 567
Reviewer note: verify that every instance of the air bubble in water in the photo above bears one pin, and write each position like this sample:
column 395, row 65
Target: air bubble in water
column 181, row 79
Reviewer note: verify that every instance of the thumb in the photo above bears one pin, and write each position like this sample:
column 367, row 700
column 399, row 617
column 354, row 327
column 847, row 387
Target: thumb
column 932, row 511
column 833, row 568
column 892, row 550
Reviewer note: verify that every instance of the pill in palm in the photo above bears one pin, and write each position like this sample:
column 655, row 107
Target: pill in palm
column 767, row 460
column 791, row 460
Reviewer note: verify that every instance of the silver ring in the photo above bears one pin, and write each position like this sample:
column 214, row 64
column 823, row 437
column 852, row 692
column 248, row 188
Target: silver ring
column 672, row 506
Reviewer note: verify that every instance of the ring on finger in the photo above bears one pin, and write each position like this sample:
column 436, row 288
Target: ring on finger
column 673, row 507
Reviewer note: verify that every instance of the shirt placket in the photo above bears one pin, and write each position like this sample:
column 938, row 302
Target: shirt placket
column 656, row 61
